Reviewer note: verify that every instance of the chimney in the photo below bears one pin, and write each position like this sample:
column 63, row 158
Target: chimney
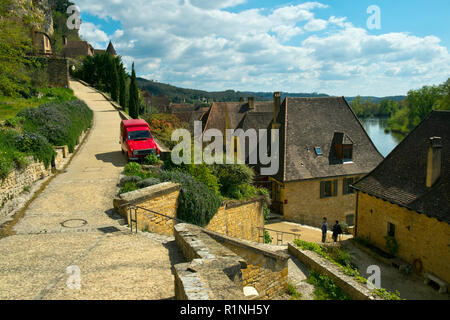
column 434, row 160
column 276, row 105
column 251, row 102
column 64, row 41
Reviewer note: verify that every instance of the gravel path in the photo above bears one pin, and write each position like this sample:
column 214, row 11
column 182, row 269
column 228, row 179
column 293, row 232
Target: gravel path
column 61, row 229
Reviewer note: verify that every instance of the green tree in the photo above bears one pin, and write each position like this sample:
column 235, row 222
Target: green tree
column 420, row 104
column 115, row 85
column 133, row 105
column 122, row 85
column 443, row 102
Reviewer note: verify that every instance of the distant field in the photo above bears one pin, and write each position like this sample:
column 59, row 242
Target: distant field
column 9, row 107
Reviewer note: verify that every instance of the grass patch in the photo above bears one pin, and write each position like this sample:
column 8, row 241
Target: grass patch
column 11, row 106
column 293, row 293
column 325, row 288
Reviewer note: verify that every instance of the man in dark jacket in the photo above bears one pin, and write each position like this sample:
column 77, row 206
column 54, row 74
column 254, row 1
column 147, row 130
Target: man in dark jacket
column 337, row 230
column 324, row 230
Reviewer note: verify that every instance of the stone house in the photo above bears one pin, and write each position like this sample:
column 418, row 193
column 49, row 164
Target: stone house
column 244, row 115
column 323, row 150
column 75, row 49
column 407, row 197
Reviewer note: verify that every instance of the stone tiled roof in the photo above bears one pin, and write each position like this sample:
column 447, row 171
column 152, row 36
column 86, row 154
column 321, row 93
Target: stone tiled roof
column 223, row 115
column 307, row 123
column 77, row 48
column 111, row 49
column 401, row 177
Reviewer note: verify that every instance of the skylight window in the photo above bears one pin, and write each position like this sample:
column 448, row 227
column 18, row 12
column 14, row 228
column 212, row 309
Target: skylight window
column 318, row 151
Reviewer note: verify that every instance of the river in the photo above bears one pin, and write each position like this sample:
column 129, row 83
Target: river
column 384, row 141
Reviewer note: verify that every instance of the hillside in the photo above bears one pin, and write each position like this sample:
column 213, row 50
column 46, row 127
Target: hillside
column 178, row 95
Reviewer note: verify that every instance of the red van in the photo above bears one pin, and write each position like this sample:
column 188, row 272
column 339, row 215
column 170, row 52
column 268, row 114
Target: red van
column 136, row 139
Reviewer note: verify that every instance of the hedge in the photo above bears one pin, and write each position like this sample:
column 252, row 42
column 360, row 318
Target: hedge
column 197, row 204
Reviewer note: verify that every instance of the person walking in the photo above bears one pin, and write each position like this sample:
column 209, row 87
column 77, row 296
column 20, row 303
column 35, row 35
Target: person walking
column 337, row 230
column 324, row 229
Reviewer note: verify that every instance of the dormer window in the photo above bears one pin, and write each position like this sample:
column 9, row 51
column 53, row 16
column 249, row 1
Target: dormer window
column 343, row 147
column 347, row 152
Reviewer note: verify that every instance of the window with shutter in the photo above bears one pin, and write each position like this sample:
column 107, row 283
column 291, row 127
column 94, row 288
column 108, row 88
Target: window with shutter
column 346, row 189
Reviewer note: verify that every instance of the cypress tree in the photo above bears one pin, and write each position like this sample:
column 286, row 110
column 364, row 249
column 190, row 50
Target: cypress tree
column 114, row 81
column 122, row 86
column 133, row 105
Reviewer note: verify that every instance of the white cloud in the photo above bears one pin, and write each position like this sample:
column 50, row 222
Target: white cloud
column 316, row 25
column 197, row 44
column 92, row 33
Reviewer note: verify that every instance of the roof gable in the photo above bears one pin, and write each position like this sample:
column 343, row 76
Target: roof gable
column 308, row 123
column 401, row 177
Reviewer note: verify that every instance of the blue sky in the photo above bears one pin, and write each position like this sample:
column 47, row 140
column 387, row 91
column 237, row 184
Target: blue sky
column 268, row 45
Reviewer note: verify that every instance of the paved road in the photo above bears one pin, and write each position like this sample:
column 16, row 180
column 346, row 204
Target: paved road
column 61, row 229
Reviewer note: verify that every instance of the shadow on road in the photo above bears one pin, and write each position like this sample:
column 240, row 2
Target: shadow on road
column 116, row 158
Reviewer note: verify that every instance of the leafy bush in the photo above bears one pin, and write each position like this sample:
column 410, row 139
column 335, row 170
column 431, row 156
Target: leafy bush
column 231, row 176
column 128, row 187
column 151, row 159
column 148, row 182
column 197, row 204
column 36, row 145
column 325, row 288
column 60, row 123
column 267, row 237
column 133, row 169
column 203, row 174
column 134, row 179
column 391, row 245
column 15, row 147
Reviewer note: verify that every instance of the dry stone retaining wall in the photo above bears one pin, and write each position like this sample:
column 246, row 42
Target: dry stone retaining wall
column 349, row 285
column 220, row 267
column 235, row 219
column 18, row 180
column 161, row 198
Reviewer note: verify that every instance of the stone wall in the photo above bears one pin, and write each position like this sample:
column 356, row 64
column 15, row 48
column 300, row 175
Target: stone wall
column 235, row 218
column 223, row 268
column 161, row 198
column 18, row 180
column 266, row 270
column 422, row 241
column 58, row 72
column 349, row 285
column 239, row 219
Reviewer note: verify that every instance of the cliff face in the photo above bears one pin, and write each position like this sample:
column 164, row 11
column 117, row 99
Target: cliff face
column 40, row 10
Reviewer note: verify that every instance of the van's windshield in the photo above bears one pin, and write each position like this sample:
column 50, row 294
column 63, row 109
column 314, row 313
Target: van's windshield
column 138, row 135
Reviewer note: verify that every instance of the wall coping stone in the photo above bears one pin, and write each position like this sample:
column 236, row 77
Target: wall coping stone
column 237, row 203
column 149, row 193
column 266, row 250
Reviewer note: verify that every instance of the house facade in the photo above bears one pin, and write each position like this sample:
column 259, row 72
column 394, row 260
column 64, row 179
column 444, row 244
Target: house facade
column 407, row 198
column 75, row 49
column 323, row 150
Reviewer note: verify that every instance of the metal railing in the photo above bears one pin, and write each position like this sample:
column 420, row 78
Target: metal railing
column 280, row 235
column 134, row 208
